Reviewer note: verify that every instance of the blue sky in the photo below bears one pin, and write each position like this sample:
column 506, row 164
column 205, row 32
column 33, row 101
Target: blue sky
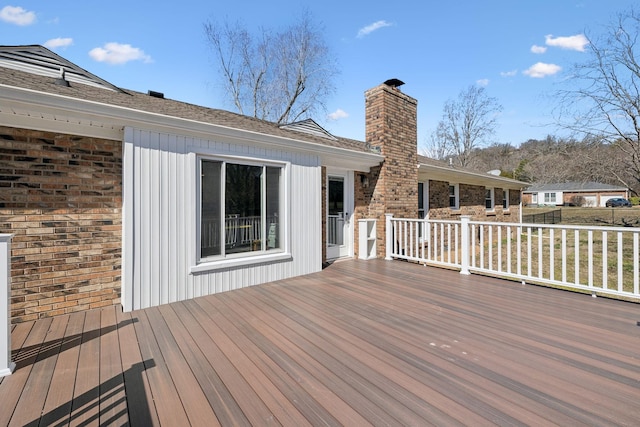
column 519, row 50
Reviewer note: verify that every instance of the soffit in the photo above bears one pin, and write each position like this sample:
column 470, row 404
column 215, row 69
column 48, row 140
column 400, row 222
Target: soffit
column 449, row 174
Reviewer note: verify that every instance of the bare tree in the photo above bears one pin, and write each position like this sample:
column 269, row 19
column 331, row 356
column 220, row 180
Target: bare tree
column 602, row 97
column 280, row 76
column 435, row 148
column 467, row 123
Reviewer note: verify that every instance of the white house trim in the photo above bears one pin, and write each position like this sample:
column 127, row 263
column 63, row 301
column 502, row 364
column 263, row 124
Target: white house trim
column 449, row 174
column 6, row 365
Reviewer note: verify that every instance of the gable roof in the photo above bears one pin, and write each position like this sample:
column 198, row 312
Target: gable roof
column 309, row 126
column 574, row 187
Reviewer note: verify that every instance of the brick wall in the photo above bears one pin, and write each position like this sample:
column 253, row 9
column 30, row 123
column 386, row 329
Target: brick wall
column 391, row 125
column 61, row 197
column 472, row 202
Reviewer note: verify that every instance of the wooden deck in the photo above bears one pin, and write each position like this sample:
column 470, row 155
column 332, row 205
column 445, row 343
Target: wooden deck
column 360, row 343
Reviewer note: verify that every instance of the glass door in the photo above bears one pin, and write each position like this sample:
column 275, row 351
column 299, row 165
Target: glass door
column 338, row 217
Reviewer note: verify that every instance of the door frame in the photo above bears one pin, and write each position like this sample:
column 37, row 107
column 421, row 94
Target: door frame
column 346, row 250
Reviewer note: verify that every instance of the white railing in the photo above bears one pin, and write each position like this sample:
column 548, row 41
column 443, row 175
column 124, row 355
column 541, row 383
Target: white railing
column 239, row 231
column 601, row 260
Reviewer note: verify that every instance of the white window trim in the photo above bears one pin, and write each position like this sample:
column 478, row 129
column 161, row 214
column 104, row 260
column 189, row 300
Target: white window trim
column 457, row 196
column 221, row 264
column 493, row 199
column 505, row 199
column 200, row 265
column 425, row 198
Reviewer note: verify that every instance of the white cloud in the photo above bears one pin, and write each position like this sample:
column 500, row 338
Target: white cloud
column 372, row 27
column 17, row 15
column 509, row 73
column 577, row 42
column 538, row 49
column 540, row 70
column 482, row 82
column 117, row 53
column 59, row 42
column 338, row 114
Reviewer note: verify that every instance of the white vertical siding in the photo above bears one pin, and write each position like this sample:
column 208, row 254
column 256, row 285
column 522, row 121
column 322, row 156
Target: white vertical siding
column 160, row 219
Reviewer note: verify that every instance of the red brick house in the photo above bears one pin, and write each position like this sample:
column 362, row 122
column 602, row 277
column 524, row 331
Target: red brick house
column 120, row 197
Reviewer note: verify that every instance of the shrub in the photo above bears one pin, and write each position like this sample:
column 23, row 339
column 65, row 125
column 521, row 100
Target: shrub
column 635, row 200
column 577, row 201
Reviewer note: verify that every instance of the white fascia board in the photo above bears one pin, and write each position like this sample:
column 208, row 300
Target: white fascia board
column 449, row 174
column 108, row 119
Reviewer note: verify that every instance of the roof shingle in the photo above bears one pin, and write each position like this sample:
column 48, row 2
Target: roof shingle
column 143, row 102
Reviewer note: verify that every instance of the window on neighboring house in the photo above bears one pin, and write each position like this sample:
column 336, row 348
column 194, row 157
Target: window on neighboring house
column 240, row 205
column 534, row 198
column 489, row 199
column 454, row 197
column 505, row 199
column 549, row 197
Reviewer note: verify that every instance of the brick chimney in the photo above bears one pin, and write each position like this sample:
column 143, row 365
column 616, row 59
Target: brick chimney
column 391, row 125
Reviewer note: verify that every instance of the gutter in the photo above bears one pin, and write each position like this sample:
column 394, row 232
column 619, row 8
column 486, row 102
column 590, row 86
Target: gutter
column 445, row 171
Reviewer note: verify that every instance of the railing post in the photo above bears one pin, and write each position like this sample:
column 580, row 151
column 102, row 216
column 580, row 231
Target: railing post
column 6, row 366
column 388, row 236
column 465, row 249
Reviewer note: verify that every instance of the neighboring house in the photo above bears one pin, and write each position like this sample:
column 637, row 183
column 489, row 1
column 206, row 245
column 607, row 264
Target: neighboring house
column 116, row 196
column 593, row 194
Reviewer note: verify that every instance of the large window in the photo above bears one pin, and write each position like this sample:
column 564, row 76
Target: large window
column 240, row 208
column 454, row 198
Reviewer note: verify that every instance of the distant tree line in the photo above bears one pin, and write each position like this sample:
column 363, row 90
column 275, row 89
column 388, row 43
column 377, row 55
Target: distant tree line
column 556, row 159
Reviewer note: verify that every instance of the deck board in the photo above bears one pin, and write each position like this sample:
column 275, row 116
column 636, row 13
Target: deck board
column 262, row 356
column 296, row 363
column 113, row 405
column 360, row 343
column 11, row 389
column 35, row 389
column 270, row 407
column 225, row 408
column 195, row 403
column 165, row 395
column 363, row 395
column 85, row 408
column 140, row 404
column 57, row 408
column 366, row 359
column 394, row 334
